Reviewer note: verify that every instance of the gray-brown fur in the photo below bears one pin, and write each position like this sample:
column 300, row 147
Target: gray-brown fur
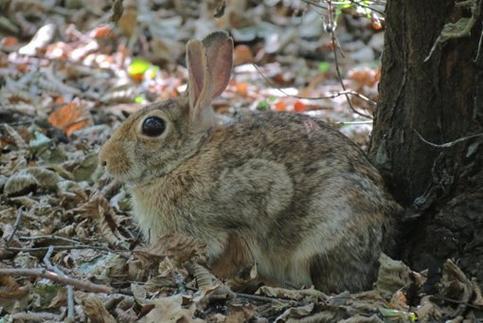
column 281, row 190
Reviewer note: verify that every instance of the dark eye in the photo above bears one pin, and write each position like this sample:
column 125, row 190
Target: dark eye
column 153, row 126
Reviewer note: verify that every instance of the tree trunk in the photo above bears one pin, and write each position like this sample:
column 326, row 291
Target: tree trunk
column 440, row 96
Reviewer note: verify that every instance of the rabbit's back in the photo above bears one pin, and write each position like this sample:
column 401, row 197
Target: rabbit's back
column 304, row 196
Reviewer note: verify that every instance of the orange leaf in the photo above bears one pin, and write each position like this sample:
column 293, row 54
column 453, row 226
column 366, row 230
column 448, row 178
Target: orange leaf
column 104, row 31
column 22, row 68
column 9, row 41
column 299, row 106
column 280, row 106
column 376, row 25
column 59, row 100
column 70, row 118
column 242, row 88
column 364, row 76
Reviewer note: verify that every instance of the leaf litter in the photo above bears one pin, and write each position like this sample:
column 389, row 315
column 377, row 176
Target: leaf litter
column 69, row 249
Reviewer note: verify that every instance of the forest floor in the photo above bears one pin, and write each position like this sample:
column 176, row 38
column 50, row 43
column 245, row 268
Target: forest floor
column 69, row 249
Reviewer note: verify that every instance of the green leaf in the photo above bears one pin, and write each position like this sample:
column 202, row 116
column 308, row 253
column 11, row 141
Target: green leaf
column 263, row 105
column 138, row 66
column 271, row 99
column 139, row 99
column 152, row 71
column 397, row 314
column 324, row 67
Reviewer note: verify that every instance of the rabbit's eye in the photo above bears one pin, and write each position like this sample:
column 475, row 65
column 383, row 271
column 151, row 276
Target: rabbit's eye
column 153, row 126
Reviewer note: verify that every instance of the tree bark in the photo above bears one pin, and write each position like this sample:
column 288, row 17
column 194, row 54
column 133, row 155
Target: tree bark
column 439, row 96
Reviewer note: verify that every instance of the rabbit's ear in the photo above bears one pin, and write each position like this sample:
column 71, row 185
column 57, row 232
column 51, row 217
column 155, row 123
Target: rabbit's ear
column 209, row 63
column 195, row 59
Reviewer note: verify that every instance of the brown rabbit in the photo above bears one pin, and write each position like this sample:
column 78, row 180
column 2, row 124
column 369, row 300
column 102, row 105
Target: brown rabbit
column 280, row 190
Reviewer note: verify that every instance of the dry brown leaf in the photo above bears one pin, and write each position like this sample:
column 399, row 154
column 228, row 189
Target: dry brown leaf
column 392, row 276
column 364, row 76
column 70, row 118
column 179, row 247
column 242, row 55
column 104, row 31
column 96, row 311
column 399, row 301
column 296, row 313
column 99, row 209
column 294, row 294
column 10, row 289
column 9, row 41
column 170, row 309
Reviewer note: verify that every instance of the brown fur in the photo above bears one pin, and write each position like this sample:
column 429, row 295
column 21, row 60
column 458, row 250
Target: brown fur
column 281, row 190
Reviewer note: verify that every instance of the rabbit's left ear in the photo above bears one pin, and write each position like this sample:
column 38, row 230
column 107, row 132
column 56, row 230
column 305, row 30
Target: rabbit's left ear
column 209, row 64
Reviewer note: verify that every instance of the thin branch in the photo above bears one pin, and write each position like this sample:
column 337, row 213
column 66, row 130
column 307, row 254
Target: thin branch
column 51, row 237
column 35, row 317
column 61, row 247
column 456, row 301
column 18, row 220
column 448, row 144
column 480, row 45
column 357, row 3
column 70, row 288
column 327, row 97
column 350, row 123
column 336, row 60
column 260, row 298
column 65, row 280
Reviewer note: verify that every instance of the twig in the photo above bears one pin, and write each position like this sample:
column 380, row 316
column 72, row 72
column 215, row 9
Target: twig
column 61, row 247
column 41, row 272
column 35, row 317
column 327, row 97
column 336, row 60
column 260, row 298
column 456, row 301
column 18, row 220
column 480, row 45
column 357, row 3
column 53, row 237
column 448, row 144
column 70, row 288
column 349, row 123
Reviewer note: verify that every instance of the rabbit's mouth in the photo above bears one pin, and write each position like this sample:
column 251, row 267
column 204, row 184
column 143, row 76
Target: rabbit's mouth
column 121, row 171
column 122, row 175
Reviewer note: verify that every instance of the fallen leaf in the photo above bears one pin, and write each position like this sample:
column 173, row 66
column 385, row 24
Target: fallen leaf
column 96, row 311
column 364, row 76
column 137, row 68
column 280, row 106
column 242, row 88
column 393, row 275
column 9, row 41
column 299, row 106
column 70, row 118
column 103, row 31
column 242, row 55
column 294, row 294
column 170, row 309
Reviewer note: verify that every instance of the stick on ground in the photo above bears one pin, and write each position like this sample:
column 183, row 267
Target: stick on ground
column 40, row 272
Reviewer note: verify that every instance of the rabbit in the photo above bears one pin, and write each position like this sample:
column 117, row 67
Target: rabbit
column 279, row 190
